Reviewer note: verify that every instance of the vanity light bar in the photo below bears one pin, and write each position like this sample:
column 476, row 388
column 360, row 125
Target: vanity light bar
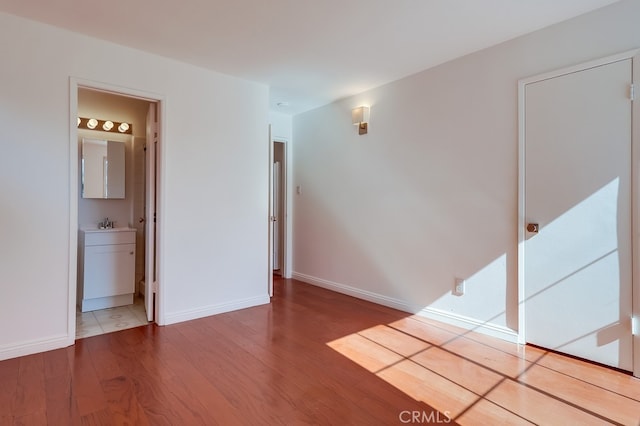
column 104, row 125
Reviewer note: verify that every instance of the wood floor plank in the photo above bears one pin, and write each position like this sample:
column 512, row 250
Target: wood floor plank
column 597, row 375
column 8, row 385
column 153, row 381
column 56, row 364
column 263, row 388
column 122, row 402
column 37, row 417
column 8, row 389
column 469, row 375
column 86, row 393
column 394, row 340
column 423, row 331
column 29, row 396
column 60, row 406
column 487, row 413
column 9, row 369
column 493, row 359
column 423, row 385
column 529, row 353
column 366, row 353
column 609, row 405
column 97, row 418
column 215, row 407
column 539, row 408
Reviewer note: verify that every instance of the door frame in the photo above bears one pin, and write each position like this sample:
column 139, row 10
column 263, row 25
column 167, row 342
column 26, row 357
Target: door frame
column 270, row 218
column 634, row 55
column 151, row 156
column 76, row 83
column 286, row 214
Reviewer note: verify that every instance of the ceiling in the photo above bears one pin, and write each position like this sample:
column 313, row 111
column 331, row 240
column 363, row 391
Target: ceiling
column 310, row 52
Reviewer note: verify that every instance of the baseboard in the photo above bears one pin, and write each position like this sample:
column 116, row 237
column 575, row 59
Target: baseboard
column 205, row 311
column 470, row 324
column 35, row 346
column 106, row 302
column 461, row 321
column 355, row 292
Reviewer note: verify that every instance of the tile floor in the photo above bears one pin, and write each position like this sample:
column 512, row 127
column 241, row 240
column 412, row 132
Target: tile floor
column 111, row 319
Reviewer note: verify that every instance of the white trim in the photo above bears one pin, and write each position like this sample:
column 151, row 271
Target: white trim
column 461, row 321
column 160, row 207
column 73, row 212
column 270, row 232
column 356, row 292
column 470, row 324
column 635, row 210
column 74, row 84
column 205, row 311
column 36, row 346
column 521, row 211
column 635, row 191
column 580, row 67
column 117, row 90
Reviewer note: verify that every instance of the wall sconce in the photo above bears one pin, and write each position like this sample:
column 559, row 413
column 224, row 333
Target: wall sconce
column 360, row 117
column 104, row 125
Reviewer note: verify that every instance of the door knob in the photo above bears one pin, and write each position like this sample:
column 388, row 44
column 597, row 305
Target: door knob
column 533, row 227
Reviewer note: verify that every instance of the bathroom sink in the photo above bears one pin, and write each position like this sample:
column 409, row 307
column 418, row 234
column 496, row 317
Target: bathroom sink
column 116, row 229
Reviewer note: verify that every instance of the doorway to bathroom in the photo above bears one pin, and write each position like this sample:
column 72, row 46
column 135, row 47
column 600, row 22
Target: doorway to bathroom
column 134, row 213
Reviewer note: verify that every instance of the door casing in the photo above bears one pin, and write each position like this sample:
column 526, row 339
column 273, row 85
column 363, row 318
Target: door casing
column 285, row 244
column 74, row 84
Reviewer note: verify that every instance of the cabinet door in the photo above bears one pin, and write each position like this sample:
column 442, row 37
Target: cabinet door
column 109, row 270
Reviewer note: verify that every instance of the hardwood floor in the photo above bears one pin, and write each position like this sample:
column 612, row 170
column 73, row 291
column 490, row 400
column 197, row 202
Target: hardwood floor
column 310, row 357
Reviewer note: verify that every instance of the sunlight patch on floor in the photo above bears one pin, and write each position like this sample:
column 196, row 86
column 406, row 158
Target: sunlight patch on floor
column 476, row 379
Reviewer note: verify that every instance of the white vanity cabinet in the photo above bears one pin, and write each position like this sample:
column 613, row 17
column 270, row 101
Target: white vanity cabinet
column 107, row 268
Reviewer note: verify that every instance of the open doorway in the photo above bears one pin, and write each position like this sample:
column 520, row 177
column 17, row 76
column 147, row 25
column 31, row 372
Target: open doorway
column 279, row 207
column 127, row 293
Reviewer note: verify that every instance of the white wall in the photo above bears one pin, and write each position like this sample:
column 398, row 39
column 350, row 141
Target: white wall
column 213, row 218
column 430, row 194
column 281, row 125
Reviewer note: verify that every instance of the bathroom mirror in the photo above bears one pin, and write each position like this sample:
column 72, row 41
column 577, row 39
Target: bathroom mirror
column 102, row 169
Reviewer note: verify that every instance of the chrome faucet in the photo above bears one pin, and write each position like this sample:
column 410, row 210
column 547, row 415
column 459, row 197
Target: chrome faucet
column 106, row 224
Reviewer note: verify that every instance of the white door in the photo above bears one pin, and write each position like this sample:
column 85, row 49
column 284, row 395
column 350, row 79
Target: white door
column 151, row 181
column 577, row 209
